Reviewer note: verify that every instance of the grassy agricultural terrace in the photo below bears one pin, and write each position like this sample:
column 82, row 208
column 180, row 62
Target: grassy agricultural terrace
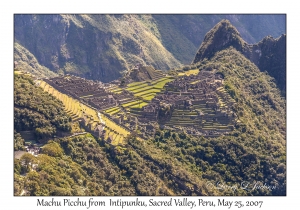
column 130, row 99
column 143, row 93
column 189, row 72
column 75, row 109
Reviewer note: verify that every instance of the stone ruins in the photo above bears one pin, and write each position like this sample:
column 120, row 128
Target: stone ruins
column 196, row 104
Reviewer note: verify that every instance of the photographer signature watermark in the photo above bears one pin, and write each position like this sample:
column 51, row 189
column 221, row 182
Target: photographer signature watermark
column 245, row 185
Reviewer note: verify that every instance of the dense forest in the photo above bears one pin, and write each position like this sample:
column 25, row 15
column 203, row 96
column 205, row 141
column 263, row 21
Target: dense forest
column 36, row 110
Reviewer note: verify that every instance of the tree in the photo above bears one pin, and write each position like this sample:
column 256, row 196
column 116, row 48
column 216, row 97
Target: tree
column 122, row 82
column 52, row 149
column 18, row 141
column 27, row 160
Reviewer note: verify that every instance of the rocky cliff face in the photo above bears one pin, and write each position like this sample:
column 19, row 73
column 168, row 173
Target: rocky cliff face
column 220, row 37
column 25, row 61
column 268, row 55
column 101, row 46
column 272, row 58
column 95, row 47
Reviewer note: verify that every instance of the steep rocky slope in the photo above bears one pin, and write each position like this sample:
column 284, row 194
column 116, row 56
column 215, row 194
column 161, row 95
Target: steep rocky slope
column 188, row 31
column 25, row 61
column 101, row 46
column 92, row 46
column 266, row 55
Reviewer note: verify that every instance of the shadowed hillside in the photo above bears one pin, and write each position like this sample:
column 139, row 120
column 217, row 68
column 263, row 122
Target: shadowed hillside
column 267, row 54
column 26, row 62
column 93, row 46
column 101, row 46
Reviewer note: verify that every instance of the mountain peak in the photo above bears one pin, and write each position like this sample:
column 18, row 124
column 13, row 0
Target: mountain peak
column 266, row 55
column 221, row 36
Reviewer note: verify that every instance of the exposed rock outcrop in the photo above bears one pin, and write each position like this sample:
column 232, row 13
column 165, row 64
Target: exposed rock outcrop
column 266, row 54
column 91, row 46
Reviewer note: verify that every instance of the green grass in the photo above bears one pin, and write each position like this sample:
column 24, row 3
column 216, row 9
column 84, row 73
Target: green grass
column 189, row 72
column 161, row 84
column 114, row 112
column 149, row 97
column 116, row 90
column 147, row 91
column 135, row 83
column 131, row 103
column 137, row 87
column 139, row 105
column 111, row 109
column 86, row 96
column 141, row 89
column 195, row 82
column 159, row 80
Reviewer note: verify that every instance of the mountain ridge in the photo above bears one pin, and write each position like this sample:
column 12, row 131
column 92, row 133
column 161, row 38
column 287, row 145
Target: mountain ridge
column 222, row 122
column 265, row 54
column 27, row 62
column 175, row 162
column 101, row 46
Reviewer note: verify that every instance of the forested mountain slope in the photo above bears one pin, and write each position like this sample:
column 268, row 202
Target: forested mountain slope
column 101, row 46
column 36, row 110
column 250, row 159
column 176, row 163
column 26, row 62
column 268, row 55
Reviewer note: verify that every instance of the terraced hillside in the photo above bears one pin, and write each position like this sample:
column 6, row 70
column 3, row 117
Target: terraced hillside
column 143, row 93
column 186, row 118
column 153, row 134
column 142, row 73
column 147, row 90
column 189, row 72
column 193, row 101
column 38, row 116
column 79, row 110
column 201, row 104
